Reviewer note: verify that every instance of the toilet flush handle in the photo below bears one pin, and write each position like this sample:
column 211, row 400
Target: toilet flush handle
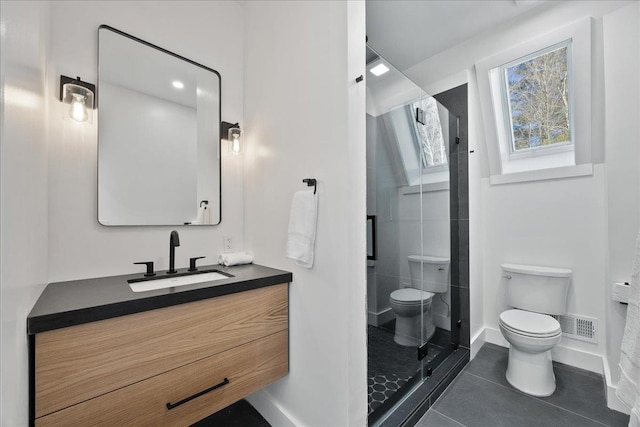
column 507, row 276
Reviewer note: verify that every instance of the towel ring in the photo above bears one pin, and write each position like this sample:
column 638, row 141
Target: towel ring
column 310, row 182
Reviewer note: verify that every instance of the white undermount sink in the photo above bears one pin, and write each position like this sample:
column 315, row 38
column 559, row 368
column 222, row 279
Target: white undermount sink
column 171, row 282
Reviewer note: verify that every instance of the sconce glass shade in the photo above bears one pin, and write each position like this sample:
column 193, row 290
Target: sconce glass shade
column 79, row 94
column 231, row 132
column 78, row 111
column 234, row 139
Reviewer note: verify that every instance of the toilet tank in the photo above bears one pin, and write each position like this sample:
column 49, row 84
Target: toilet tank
column 535, row 288
column 436, row 273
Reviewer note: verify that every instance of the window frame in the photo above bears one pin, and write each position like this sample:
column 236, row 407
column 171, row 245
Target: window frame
column 538, row 163
column 427, row 169
column 507, row 108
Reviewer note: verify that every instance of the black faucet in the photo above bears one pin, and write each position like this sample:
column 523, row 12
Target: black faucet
column 174, row 240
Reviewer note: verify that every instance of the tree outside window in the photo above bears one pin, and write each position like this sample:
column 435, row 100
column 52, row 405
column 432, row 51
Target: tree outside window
column 537, row 92
column 429, row 136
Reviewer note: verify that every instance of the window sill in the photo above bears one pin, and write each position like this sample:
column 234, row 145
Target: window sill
column 543, row 174
column 540, row 152
column 426, row 188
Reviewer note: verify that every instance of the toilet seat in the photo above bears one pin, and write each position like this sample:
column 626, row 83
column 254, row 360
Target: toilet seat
column 410, row 296
column 530, row 324
column 528, row 335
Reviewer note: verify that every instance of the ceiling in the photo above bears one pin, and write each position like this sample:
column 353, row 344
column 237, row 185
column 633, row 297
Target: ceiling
column 141, row 68
column 407, row 32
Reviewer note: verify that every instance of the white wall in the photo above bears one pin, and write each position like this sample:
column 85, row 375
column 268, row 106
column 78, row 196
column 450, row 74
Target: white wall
column 556, row 223
column 622, row 155
column 551, row 223
column 305, row 117
column 476, row 220
column 372, row 136
column 23, row 193
column 49, row 200
column 78, row 246
column 146, row 137
column 384, row 192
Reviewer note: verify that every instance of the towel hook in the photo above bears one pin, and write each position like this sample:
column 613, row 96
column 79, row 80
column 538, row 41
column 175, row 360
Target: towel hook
column 310, row 182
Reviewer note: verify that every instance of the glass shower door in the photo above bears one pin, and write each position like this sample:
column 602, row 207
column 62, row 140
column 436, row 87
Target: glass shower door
column 394, row 300
column 408, row 297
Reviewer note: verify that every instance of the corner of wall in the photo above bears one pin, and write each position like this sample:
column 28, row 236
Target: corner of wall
column 477, row 341
column 611, row 386
column 23, row 192
column 271, row 410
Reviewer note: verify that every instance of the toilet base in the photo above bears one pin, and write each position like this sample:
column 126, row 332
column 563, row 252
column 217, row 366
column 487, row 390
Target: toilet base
column 408, row 331
column 531, row 373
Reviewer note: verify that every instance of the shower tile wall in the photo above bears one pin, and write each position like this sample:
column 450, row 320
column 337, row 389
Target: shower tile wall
column 455, row 100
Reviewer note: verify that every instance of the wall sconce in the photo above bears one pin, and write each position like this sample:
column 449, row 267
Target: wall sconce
column 231, row 132
column 81, row 95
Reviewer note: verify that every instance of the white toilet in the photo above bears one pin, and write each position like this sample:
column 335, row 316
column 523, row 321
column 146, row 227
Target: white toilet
column 534, row 292
column 409, row 303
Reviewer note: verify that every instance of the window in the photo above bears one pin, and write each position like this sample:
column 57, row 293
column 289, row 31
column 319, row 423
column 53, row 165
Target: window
column 429, row 136
column 535, row 97
column 536, row 94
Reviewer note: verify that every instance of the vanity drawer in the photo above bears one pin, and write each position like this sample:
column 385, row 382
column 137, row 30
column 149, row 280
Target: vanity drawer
column 82, row 362
column 248, row 368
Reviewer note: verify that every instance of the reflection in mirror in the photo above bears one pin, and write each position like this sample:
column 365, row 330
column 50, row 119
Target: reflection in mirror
column 158, row 135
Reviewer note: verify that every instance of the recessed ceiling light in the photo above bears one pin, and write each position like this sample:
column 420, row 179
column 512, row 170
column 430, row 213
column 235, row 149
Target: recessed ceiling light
column 379, row 70
column 178, row 85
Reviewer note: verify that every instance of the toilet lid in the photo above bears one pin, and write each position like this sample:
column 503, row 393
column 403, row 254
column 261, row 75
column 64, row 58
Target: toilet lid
column 410, row 295
column 530, row 323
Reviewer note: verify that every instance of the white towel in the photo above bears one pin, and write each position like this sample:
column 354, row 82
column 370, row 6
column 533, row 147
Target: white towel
column 206, row 218
column 629, row 385
column 235, row 258
column 301, row 236
column 203, row 216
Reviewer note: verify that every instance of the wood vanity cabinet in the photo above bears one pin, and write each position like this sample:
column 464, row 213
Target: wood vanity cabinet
column 169, row 366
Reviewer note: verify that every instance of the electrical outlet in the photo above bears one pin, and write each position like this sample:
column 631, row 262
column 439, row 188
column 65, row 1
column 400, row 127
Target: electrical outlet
column 227, row 244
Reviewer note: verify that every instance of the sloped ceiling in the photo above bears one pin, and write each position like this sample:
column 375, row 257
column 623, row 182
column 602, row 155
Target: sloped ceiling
column 407, row 32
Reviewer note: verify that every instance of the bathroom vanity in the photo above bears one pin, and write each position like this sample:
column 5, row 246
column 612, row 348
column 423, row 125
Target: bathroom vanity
column 101, row 354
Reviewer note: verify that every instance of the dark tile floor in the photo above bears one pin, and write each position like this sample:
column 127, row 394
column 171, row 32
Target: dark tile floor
column 481, row 397
column 390, row 366
column 240, row 414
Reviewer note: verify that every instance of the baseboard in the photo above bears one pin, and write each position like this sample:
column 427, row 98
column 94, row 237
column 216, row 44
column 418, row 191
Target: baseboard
column 377, row 319
column 494, row 336
column 569, row 356
column 273, row 412
column 612, row 400
column 477, row 341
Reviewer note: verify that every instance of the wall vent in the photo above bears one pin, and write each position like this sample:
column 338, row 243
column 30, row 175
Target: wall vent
column 578, row 327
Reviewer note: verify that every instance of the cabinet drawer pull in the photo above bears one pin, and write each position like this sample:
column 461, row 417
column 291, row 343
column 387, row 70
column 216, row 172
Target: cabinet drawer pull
column 203, row 392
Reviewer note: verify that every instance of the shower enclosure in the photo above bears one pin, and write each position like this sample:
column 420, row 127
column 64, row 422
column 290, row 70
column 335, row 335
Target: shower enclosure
column 413, row 311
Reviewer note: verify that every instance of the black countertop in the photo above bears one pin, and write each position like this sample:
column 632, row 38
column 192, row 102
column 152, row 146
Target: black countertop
column 72, row 303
